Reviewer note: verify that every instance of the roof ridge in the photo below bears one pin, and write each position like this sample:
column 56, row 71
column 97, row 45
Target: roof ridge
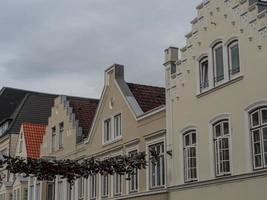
column 146, row 85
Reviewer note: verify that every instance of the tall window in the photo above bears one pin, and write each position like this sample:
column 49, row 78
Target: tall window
column 60, row 136
column 20, row 143
column 104, row 185
column 15, row 195
column 204, row 73
column 38, row 191
column 25, row 194
column 117, row 126
column 80, row 188
column 157, row 169
column 133, row 177
column 117, row 184
column 190, row 156
column 50, row 191
column 60, row 191
column 218, row 62
column 53, row 139
column 221, row 134
column 93, row 187
column 31, row 192
column 233, row 55
column 173, row 68
column 107, row 130
column 258, row 131
column 69, row 191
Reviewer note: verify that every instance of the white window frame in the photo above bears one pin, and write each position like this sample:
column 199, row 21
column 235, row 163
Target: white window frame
column 104, row 186
column 229, row 47
column 150, row 185
column 80, row 186
column 93, row 185
column 117, row 184
column 53, row 139
column 117, row 129
column 218, row 45
column 38, row 191
column 134, row 176
column 217, row 141
column 113, row 129
column 53, row 188
column 105, row 140
column 186, row 148
column 258, row 128
column 203, row 86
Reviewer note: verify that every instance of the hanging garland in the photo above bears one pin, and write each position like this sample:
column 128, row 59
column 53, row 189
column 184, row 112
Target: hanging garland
column 47, row 170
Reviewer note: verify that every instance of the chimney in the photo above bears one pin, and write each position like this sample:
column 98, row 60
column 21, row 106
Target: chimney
column 171, row 55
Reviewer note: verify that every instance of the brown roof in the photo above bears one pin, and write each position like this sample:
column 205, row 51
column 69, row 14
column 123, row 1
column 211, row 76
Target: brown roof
column 148, row 97
column 84, row 110
column 33, row 134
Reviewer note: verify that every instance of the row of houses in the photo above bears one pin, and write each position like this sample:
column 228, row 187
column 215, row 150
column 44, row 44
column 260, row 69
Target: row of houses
column 208, row 124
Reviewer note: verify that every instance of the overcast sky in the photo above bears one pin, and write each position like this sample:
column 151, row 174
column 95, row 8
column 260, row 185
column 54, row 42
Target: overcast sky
column 64, row 46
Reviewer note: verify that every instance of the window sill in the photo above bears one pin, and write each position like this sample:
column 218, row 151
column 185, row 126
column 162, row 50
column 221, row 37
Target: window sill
column 112, row 142
column 230, row 82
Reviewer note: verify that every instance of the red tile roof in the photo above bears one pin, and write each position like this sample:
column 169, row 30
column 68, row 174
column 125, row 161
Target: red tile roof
column 33, row 134
column 84, row 110
column 148, row 97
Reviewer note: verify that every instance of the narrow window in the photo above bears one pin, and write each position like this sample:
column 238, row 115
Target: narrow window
column 233, row 55
column 31, row 192
column 104, row 186
column 221, row 134
column 60, row 136
column 218, row 62
column 25, row 194
column 20, row 145
column 18, row 194
column 50, row 191
column 15, row 195
column 157, row 170
column 80, row 188
column 38, row 191
column 190, row 156
column 107, row 130
column 53, row 139
column 258, row 131
column 204, row 73
column 134, row 177
column 117, row 126
column 117, row 184
column 60, row 191
column 93, row 187
column 173, row 68
column 69, row 191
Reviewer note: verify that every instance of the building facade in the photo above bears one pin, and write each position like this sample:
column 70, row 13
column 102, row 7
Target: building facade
column 216, row 104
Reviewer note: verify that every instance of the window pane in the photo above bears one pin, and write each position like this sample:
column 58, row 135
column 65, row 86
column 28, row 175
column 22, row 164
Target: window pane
column 255, row 119
column 219, row 63
column 256, row 135
column 235, row 59
column 187, row 140
column 257, row 148
column 194, row 138
column 264, row 132
column 258, row 161
column 226, row 128
column 264, row 116
column 218, row 130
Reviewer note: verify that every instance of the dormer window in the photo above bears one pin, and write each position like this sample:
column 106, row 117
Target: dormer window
column 233, row 56
column 218, row 62
column 204, row 73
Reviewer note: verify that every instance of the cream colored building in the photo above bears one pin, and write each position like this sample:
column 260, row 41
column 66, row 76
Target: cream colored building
column 217, row 105
column 129, row 118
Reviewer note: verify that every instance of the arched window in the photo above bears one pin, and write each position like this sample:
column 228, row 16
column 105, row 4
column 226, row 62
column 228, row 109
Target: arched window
column 258, row 131
column 204, row 73
column 190, row 155
column 218, row 64
column 221, row 138
column 233, row 58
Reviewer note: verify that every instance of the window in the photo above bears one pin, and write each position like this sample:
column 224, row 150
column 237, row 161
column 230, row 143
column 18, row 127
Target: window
column 258, row 131
column 117, row 126
column 204, row 73
column 233, row 55
column 157, row 170
column 37, row 191
column 221, row 134
column 190, row 156
column 53, row 139
column 117, row 184
column 134, row 177
column 107, row 130
column 25, row 194
column 60, row 136
column 218, row 62
column 15, row 195
column 20, row 145
column 69, row 193
column 173, row 68
column 50, row 191
column 60, row 191
column 80, row 188
column 104, row 185
column 31, row 192
column 93, row 187
column 3, row 128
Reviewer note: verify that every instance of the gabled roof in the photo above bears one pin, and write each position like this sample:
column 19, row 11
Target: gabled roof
column 148, row 97
column 33, row 135
column 84, row 110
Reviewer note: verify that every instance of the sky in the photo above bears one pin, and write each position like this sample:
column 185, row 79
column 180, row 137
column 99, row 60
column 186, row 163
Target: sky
column 64, row 46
